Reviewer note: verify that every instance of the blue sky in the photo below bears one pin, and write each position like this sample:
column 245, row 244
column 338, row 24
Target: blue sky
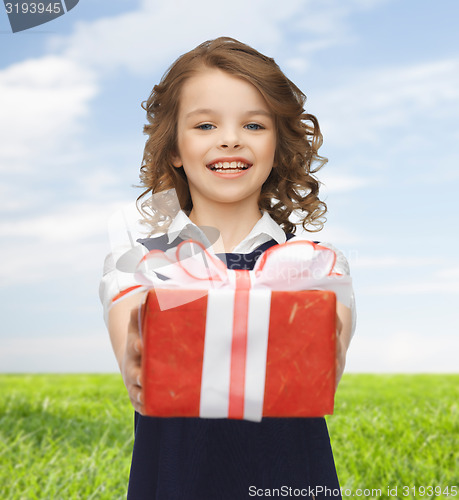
column 382, row 76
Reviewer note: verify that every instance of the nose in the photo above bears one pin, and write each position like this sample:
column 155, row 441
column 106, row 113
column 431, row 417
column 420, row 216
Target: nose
column 229, row 138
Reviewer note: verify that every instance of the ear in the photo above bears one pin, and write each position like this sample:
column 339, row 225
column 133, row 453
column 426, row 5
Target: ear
column 176, row 160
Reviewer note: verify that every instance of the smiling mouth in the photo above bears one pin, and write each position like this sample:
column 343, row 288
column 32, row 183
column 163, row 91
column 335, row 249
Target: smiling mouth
column 229, row 167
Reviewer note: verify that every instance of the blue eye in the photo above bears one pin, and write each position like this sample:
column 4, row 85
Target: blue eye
column 205, row 126
column 254, row 126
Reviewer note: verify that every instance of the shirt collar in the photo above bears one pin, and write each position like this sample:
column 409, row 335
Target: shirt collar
column 264, row 230
column 182, row 227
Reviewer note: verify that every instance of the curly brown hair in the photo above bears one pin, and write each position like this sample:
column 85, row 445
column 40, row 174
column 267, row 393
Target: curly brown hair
column 290, row 187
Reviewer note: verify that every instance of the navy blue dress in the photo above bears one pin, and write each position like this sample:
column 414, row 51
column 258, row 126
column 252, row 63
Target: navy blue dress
column 222, row 459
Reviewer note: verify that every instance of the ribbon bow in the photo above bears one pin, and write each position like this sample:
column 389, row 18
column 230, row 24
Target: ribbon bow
column 294, row 265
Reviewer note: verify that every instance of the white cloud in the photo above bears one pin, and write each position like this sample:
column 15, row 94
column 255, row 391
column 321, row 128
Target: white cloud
column 388, row 98
column 297, row 64
column 391, row 261
column 150, row 37
column 451, row 273
column 51, row 354
column 73, row 223
column 414, row 288
column 42, row 100
column 399, row 352
column 12, row 201
column 340, row 236
column 403, row 352
column 99, row 182
column 333, row 183
column 70, row 242
column 315, row 22
column 45, row 100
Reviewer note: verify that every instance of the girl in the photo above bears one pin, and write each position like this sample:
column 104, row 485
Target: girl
column 228, row 131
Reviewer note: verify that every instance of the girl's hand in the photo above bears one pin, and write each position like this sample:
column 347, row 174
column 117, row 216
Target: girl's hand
column 127, row 344
column 131, row 363
column 340, row 351
column 343, row 338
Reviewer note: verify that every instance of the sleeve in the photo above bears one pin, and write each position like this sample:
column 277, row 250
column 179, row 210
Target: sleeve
column 342, row 267
column 116, row 285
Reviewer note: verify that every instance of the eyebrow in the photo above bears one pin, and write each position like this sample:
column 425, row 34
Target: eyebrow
column 259, row 112
column 207, row 111
column 199, row 112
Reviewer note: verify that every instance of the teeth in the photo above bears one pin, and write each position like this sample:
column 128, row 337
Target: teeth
column 227, row 166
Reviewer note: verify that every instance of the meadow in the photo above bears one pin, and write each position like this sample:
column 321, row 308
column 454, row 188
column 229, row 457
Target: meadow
column 71, row 436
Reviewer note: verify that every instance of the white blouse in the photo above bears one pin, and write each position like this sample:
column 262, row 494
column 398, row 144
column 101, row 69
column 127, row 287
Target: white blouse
column 115, row 281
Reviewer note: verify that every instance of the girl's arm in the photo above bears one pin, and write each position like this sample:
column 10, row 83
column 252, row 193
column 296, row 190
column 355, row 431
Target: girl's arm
column 343, row 338
column 345, row 316
column 127, row 345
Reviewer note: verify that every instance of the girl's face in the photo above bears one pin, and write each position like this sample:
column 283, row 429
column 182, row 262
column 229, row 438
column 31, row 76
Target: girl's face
column 226, row 139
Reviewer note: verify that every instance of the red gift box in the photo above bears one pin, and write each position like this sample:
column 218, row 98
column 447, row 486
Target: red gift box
column 300, row 360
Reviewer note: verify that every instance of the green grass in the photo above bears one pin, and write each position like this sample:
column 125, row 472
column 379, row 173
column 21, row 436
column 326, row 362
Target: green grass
column 71, row 436
column 397, row 430
column 64, row 437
